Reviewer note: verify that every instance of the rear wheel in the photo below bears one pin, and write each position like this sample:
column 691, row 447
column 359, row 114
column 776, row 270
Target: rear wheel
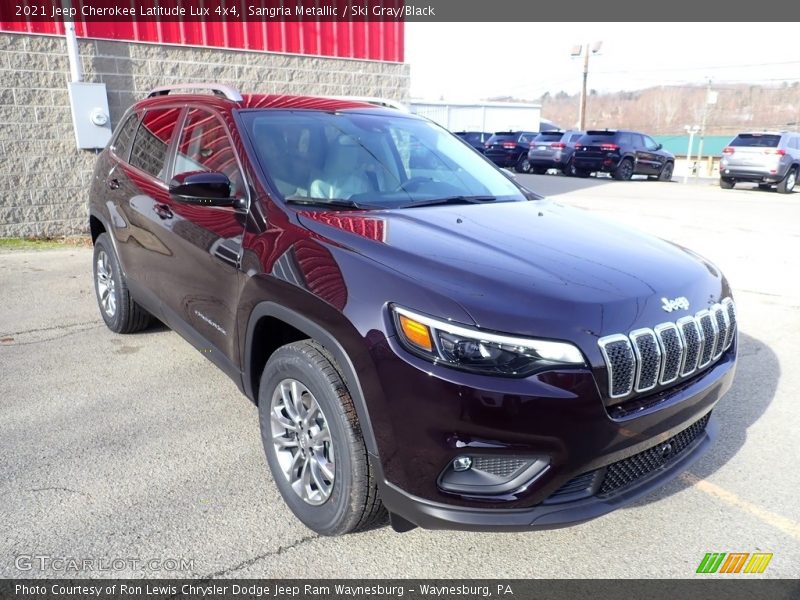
column 523, row 165
column 624, row 171
column 313, row 442
column 786, row 186
column 568, row 169
column 726, row 183
column 666, row 172
column 120, row 312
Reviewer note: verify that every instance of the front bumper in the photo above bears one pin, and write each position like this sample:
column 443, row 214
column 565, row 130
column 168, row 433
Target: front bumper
column 432, row 515
column 558, row 414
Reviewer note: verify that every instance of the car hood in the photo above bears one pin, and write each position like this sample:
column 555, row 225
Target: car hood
column 533, row 268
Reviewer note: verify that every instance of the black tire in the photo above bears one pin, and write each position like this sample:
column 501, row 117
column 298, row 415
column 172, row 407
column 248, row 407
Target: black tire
column 120, row 312
column 666, row 172
column 568, row 169
column 624, row 170
column 523, row 164
column 786, row 185
column 726, row 183
column 353, row 503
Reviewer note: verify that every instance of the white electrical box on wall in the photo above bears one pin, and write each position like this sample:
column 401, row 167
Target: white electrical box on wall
column 90, row 117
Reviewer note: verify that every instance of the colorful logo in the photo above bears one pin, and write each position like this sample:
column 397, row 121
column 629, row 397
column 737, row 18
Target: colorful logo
column 734, row 562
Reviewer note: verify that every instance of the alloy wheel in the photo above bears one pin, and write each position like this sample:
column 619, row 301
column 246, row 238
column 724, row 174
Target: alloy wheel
column 106, row 286
column 302, row 441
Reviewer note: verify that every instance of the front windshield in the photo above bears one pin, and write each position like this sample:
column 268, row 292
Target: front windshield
column 375, row 160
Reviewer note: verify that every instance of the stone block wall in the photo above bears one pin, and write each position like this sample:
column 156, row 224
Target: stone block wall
column 43, row 176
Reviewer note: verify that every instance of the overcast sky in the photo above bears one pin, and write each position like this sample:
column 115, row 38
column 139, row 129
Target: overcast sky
column 470, row 61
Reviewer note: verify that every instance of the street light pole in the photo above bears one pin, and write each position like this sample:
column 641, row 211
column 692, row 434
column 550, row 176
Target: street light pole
column 691, row 131
column 583, row 89
column 586, row 51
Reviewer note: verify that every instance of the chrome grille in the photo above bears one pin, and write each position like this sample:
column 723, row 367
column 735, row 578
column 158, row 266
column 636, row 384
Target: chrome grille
column 692, row 344
column 646, row 358
column 730, row 309
column 671, row 351
column 618, row 354
column 708, row 329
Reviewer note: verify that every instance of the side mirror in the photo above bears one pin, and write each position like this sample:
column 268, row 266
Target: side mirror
column 659, row 146
column 202, row 188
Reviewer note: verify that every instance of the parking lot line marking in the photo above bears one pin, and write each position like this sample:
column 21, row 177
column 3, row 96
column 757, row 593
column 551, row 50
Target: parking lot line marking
column 786, row 525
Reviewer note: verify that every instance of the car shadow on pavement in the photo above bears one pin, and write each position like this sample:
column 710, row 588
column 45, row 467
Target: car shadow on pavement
column 557, row 184
column 754, row 386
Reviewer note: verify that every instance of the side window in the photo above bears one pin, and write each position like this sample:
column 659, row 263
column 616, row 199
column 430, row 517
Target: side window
column 153, row 139
column 525, row 138
column 650, row 143
column 121, row 146
column 625, row 139
column 793, row 143
column 204, row 146
column 575, row 138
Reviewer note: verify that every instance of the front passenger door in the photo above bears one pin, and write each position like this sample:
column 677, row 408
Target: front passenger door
column 655, row 159
column 201, row 290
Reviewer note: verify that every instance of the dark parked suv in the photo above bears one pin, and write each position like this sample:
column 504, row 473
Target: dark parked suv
column 623, row 154
column 510, row 149
column 434, row 341
column 476, row 139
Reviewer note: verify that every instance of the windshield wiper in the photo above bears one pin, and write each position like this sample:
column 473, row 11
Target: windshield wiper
column 333, row 203
column 450, row 200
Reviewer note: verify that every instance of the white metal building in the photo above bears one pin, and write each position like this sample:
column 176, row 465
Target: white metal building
column 481, row 116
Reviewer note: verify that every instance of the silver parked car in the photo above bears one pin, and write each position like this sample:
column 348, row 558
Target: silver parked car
column 766, row 158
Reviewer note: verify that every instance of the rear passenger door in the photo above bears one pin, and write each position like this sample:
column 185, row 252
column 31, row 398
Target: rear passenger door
column 201, row 283
column 139, row 187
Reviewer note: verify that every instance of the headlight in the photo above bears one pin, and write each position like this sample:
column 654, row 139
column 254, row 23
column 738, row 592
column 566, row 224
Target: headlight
column 478, row 351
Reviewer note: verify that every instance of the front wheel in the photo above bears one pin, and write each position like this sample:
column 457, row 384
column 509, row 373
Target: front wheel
column 624, row 171
column 523, row 165
column 726, row 183
column 313, row 442
column 666, row 172
column 786, row 186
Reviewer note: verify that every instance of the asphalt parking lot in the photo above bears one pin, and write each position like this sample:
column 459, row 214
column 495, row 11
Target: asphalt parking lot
column 137, row 447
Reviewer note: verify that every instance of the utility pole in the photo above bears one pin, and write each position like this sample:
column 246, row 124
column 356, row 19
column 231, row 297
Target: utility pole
column 586, row 51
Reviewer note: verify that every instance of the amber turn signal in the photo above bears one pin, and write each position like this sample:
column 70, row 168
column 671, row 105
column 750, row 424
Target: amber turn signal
column 416, row 333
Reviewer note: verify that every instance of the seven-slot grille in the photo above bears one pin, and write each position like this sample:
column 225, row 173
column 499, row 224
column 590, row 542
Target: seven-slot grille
column 646, row 358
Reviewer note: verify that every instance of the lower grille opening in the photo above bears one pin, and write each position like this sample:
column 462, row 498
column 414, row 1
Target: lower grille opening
column 620, row 475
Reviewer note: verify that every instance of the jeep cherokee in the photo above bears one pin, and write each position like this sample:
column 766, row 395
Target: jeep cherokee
column 432, row 341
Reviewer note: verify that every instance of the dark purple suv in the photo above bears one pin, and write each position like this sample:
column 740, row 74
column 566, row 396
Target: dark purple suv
column 423, row 336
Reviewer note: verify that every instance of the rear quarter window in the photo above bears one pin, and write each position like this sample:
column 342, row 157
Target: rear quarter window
column 121, row 146
column 153, row 139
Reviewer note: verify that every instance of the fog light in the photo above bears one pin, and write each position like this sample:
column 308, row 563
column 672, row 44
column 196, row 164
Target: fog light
column 462, row 463
column 491, row 475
